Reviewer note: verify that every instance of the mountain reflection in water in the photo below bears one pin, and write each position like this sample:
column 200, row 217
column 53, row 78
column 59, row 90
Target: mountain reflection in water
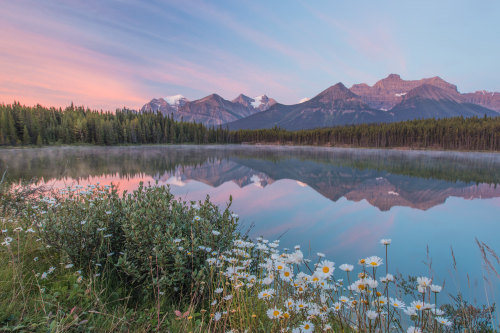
column 336, row 201
column 384, row 178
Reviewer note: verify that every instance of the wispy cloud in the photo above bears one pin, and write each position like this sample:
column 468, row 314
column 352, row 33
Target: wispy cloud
column 108, row 55
column 373, row 40
column 53, row 70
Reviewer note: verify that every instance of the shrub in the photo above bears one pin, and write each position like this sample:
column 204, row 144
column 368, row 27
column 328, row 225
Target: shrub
column 169, row 240
column 146, row 239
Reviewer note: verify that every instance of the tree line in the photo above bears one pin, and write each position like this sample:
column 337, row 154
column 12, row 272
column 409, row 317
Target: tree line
column 458, row 133
column 38, row 125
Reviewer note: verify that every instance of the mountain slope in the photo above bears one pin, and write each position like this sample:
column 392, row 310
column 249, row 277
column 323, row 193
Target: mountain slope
column 428, row 101
column 490, row 100
column 388, row 92
column 212, row 110
column 336, row 105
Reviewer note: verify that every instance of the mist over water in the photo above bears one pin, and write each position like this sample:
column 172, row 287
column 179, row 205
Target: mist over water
column 336, row 201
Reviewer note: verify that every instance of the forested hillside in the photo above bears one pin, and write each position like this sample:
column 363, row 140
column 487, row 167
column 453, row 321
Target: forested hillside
column 450, row 133
column 22, row 125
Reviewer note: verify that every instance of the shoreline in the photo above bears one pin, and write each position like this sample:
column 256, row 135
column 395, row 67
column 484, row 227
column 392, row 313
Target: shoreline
column 255, row 144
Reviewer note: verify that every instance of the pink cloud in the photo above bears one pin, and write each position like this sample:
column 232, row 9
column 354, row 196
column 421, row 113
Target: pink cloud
column 51, row 70
column 45, row 70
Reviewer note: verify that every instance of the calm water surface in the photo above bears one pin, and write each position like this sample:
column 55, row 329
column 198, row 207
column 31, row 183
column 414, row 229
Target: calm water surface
column 337, row 201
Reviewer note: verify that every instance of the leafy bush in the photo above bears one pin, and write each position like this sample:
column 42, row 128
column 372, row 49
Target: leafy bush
column 167, row 239
column 146, row 239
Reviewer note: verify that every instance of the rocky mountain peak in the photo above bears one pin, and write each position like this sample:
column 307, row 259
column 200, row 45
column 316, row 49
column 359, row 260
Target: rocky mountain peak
column 243, row 100
column 432, row 92
column 260, row 103
column 335, row 92
column 388, row 92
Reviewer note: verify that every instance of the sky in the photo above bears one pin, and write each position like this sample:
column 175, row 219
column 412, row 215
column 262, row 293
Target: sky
column 114, row 54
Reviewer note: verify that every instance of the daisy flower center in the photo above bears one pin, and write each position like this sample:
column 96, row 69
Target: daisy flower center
column 326, row 269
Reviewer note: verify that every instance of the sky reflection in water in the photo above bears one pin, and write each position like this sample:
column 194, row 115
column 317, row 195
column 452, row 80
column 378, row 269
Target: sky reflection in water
column 337, row 201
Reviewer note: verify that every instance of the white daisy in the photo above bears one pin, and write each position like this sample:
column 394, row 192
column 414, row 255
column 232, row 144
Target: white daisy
column 373, row 261
column 337, row 306
column 397, row 303
column 273, row 313
column 387, row 278
column 435, row 288
column 385, row 241
column 266, row 294
column 371, row 314
column 307, row 326
column 443, row 321
column 326, row 268
column 286, row 274
column 346, row 267
column 424, row 281
column 289, row 303
column 417, row 305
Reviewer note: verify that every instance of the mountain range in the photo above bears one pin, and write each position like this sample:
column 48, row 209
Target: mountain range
column 212, row 110
column 388, row 100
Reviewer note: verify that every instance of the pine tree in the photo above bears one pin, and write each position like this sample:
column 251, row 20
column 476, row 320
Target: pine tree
column 26, row 136
column 39, row 140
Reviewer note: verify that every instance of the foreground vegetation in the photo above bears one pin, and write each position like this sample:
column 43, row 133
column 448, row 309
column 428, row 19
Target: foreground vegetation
column 89, row 259
column 21, row 125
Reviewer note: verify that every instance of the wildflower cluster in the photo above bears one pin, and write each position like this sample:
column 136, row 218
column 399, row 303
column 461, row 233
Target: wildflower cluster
column 296, row 295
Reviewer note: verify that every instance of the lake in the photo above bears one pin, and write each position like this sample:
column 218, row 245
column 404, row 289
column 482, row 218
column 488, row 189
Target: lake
column 337, row 201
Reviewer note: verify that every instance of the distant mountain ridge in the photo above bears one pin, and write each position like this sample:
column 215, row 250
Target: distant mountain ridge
column 212, row 110
column 490, row 100
column 389, row 99
column 388, row 92
column 428, row 101
column 336, row 105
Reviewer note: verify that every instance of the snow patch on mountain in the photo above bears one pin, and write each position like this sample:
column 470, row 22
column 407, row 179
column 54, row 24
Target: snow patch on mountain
column 175, row 100
column 257, row 101
column 305, row 99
